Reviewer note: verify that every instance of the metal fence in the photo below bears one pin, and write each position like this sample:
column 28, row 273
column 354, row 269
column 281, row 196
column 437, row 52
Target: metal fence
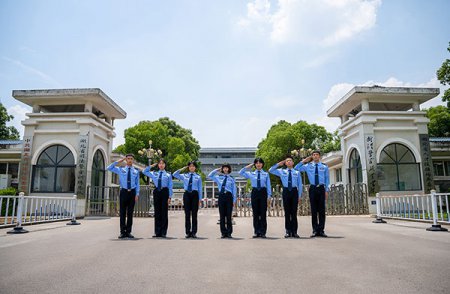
column 18, row 210
column 342, row 200
column 433, row 207
column 105, row 200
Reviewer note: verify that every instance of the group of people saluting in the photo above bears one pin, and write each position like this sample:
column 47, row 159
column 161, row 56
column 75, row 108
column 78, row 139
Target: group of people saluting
column 317, row 172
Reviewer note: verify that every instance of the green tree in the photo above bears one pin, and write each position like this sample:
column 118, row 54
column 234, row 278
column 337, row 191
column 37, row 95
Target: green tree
column 7, row 133
column 283, row 137
column 177, row 144
column 443, row 75
column 439, row 125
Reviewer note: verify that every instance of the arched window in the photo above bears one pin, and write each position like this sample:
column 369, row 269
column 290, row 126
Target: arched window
column 398, row 169
column 54, row 171
column 355, row 168
column 98, row 169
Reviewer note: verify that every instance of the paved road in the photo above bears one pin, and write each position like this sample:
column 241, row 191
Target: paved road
column 359, row 257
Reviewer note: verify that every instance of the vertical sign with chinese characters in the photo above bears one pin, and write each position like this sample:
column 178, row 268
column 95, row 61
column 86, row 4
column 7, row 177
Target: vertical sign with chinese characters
column 369, row 141
column 427, row 163
column 82, row 165
column 25, row 165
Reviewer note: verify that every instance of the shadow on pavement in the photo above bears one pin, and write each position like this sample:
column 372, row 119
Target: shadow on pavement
column 161, row 238
column 126, row 239
column 193, row 239
column 232, row 239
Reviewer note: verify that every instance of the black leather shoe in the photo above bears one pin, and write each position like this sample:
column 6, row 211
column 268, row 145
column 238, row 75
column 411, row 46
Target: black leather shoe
column 163, row 236
column 296, row 236
column 130, row 236
column 313, row 235
column 122, row 236
column 255, row 236
column 188, row 236
column 229, row 236
column 323, row 235
column 263, row 236
column 287, row 236
column 224, row 236
column 194, row 236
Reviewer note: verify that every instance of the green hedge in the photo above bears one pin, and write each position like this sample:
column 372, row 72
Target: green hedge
column 8, row 192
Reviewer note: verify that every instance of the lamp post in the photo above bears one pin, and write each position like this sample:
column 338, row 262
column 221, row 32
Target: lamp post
column 150, row 153
column 301, row 154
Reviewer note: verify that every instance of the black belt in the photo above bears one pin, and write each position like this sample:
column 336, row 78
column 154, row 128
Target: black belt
column 259, row 189
column 317, row 186
column 128, row 190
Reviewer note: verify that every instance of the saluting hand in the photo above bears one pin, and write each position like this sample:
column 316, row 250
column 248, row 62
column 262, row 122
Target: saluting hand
column 249, row 165
column 281, row 163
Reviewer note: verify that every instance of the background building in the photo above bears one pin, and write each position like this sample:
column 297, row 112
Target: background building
column 237, row 157
column 68, row 141
column 384, row 141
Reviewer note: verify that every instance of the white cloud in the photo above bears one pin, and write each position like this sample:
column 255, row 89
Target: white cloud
column 19, row 112
column 336, row 92
column 339, row 90
column 320, row 22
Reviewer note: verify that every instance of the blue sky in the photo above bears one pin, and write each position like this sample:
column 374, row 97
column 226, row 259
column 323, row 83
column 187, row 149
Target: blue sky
column 227, row 70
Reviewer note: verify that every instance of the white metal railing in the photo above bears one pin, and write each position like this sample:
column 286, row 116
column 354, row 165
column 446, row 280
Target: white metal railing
column 18, row 210
column 433, row 207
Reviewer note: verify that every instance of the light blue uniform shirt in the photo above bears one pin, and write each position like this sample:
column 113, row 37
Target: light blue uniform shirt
column 310, row 169
column 166, row 179
column 122, row 171
column 230, row 185
column 253, row 177
column 283, row 173
column 196, row 181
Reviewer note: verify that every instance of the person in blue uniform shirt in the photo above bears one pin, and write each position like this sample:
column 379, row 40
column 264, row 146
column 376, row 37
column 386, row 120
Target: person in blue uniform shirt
column 192, row 196
column 227, row 197
column 318, row 176
column 161, row 196
column 261, row 194
column 292, row 193
column 129, row 192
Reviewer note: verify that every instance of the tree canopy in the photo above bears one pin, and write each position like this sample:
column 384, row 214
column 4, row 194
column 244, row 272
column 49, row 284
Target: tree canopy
column 284, row 137
column 439, row 125
column 443, row 75
column 7, row 133
column 177, row 144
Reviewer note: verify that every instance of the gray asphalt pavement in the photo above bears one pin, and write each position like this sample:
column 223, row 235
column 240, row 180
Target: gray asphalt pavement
column 359, row 257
